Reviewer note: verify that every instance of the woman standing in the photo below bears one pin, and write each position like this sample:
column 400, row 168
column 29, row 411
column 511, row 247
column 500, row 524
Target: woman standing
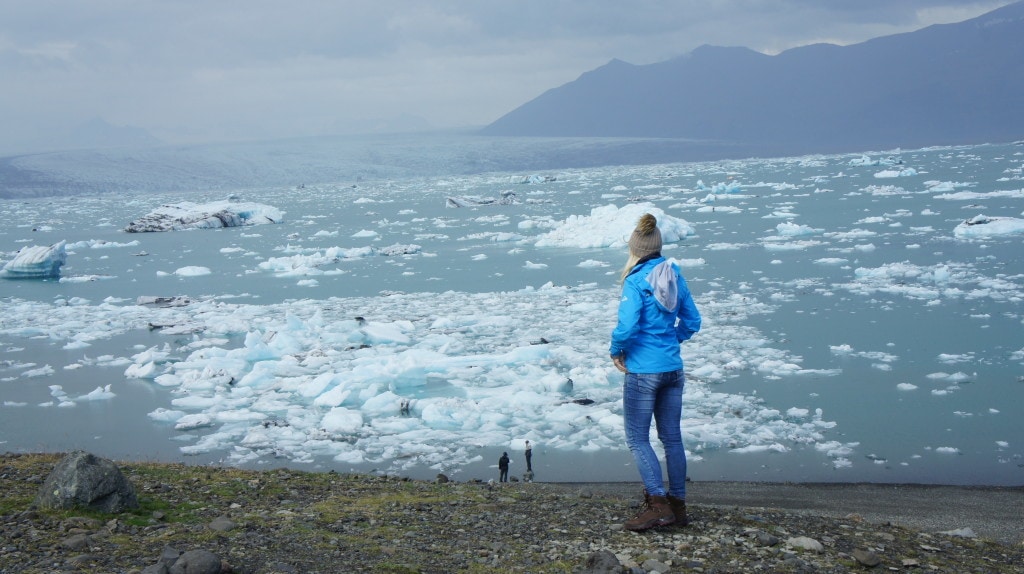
column 656, row 313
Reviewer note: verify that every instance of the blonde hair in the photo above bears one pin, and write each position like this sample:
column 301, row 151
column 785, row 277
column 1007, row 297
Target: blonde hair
column 630, row 264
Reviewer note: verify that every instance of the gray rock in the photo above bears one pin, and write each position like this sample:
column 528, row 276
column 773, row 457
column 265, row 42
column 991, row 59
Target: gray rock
column 655, row 566
column 82, row 560
column 169, row 556
column 196, row 562
column 766, row 539
column 81, row 479
column 221, row 524
column 76, row 542
column 866, row 557
column 601, row 562
column 806, row 543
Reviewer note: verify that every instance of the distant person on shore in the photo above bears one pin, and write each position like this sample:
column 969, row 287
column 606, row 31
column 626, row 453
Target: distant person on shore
column 503, row 467
column 529, row 457
column 656, row 313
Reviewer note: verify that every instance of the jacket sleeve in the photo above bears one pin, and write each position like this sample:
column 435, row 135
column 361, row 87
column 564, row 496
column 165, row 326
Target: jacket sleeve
column 688, row 315
column 630, row 306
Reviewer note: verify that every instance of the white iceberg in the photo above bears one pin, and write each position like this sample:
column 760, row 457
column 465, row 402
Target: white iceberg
column 36, row 261
column 188, row 215
column 534, row 178
column 790, row 229
column 985, row 226
column 891, row 173
column 611, row 226
column 504, row 198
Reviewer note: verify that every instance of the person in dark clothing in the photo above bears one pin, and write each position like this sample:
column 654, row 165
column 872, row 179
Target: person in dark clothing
column 503, row 467
column 529, row 457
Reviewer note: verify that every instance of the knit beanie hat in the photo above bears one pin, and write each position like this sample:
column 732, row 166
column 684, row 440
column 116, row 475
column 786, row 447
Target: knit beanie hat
column 646, row 238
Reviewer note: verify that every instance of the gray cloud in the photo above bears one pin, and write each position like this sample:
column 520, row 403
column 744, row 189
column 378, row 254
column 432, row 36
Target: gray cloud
column 195, row 70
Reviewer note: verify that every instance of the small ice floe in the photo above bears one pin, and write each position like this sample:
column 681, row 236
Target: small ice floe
column 36, row 262
column 831, row 261
column 192, row 271
column 178, row 301
column 505, row 198
column 85, row 278
column 100, row 244
column 188, row 215
column 940, row 186
column 44, row 371
column 976, row 195
column 983, row 226
column 865, row 160
column 60, row 397
column 725, row 187
column 97, row 394
column 890, row 173
column 790, row 229
column 398, row 249
column 533, row 178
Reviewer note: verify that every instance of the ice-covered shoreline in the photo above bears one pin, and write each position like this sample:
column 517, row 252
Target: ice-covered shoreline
column 312, row 380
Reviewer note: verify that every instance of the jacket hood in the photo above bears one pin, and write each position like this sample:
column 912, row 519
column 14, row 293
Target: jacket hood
column 664, row 285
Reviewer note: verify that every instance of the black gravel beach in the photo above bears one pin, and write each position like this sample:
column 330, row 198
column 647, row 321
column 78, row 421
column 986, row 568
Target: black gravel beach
column 285, row 520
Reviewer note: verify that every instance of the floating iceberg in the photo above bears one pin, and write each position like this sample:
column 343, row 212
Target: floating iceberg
column 985, row 226
column 891, row 173
column 865, row 160
column 188, row 215
column 36, row 261
column 506, row 198
column 611, row 226
column 534, row 178
column 720, row 188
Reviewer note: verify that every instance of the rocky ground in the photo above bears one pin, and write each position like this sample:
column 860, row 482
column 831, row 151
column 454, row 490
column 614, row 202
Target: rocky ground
column 291, row 521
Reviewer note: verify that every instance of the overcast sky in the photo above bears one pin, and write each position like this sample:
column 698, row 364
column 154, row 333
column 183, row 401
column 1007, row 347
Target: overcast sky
column 213, row 70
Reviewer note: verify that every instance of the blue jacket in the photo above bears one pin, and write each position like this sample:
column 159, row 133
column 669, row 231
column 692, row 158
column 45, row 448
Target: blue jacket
column 656, row 314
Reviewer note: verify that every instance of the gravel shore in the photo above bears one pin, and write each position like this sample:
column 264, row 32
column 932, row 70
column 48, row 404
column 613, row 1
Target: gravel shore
column 285, row 521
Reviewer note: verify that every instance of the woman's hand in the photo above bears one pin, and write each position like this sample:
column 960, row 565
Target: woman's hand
column 620, row 362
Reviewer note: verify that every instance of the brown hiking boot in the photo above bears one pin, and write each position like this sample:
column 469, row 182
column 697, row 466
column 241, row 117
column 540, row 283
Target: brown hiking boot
column 678, row 506
column 655, row 512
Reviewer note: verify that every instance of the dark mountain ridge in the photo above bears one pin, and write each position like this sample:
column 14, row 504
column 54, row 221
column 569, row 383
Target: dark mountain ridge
column 945, row 84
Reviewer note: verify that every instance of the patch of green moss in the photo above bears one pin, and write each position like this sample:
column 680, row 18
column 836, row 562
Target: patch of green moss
column 397, row 568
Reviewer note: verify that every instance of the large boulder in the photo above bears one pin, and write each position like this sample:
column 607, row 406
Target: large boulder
column 197, row 562
column 83, row 480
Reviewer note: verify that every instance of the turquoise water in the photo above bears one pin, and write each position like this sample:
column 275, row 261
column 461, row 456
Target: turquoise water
column 909, row 339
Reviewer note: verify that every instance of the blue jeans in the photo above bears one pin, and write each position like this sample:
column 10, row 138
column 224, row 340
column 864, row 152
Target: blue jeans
column 659, row 395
